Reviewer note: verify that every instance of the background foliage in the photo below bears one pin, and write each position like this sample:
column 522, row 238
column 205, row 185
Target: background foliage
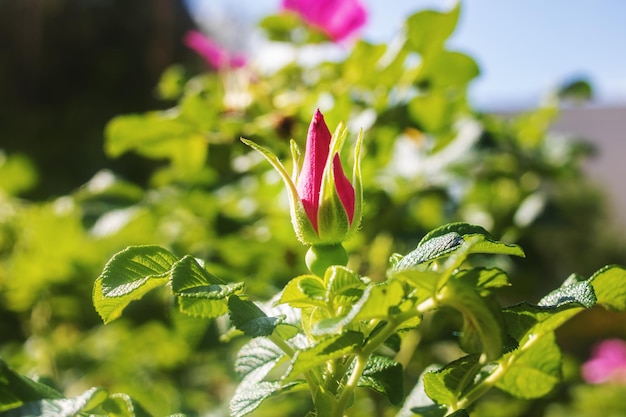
column 175, row 174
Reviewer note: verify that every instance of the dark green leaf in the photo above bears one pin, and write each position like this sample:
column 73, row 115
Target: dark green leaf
column 482, row 328
column 385, row 376
column 434, row 410
column 16, row 390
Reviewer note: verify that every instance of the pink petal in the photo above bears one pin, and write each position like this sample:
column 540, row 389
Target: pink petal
column 344, row 188
column 315, row 156
column 608, row 363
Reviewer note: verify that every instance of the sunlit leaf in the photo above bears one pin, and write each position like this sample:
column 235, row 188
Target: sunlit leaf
column 535, row 371
column 446, row 239
column 129, row 275
column 609, row 287
column 304, row 291
column 446, row 385
column 333, row 347
column 248, row 398
column 250, row 319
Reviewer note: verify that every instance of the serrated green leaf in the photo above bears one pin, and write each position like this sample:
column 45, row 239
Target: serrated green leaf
column 64, row 407
column 188, row 273
column 333, row 347
column 384, row 375
column 609, row 287
column 129, row 275
column 430, row 249
column 375, row 302
column 199, row 293
column 250, row 319
column 343, row 286
column 445, row 240
column 535, row 371
column 580, row 293
column 255, row 355
column 248, row 398
column 446, row 385
column 304, row 291
column 524, row 319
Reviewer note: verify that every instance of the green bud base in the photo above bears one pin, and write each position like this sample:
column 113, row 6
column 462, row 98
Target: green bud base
column 320, row 257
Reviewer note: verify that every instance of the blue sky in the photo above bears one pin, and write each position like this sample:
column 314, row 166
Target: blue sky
column 524, row 48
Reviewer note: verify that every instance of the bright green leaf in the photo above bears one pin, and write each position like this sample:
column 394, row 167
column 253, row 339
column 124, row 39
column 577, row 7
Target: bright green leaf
column 446, row 239
column 343, row 286
column 129, row 275
column 446, row 385
column 609, row 285
column 535, row 371
column 248, row 398
column 304, row 291
column 250, row 319
column 577, row 293
column 257, row 358
column 428, row 30
column 333, row 347
column 200, row 293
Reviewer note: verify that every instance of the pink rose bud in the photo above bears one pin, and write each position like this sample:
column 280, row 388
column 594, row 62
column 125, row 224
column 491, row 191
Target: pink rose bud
column 325, row 205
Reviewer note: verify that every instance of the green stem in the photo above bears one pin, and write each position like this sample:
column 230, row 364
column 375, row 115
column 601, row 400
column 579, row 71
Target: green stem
column 486, row 384
column 310, row 377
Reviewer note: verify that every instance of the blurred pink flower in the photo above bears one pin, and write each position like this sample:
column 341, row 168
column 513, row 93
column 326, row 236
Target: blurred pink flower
column 339, row 19
column 216, row 56
column 607, row 363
